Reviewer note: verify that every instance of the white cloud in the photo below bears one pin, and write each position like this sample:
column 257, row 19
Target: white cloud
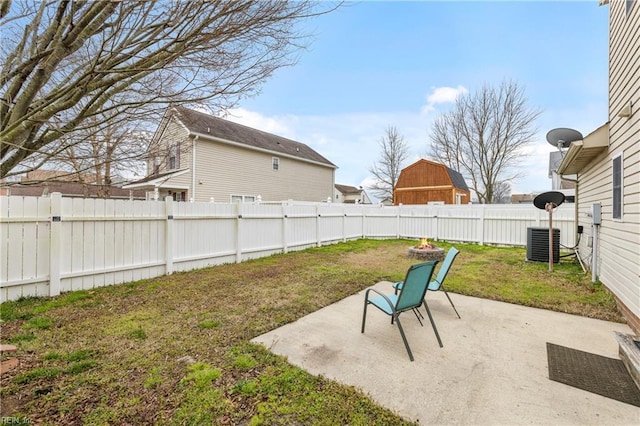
column 276, row 125
column 443, row 95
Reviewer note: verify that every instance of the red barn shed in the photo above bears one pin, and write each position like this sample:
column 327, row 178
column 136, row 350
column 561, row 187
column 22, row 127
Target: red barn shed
column 425, row 181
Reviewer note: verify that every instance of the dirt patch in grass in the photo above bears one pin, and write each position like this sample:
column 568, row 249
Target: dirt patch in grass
column 174, row 350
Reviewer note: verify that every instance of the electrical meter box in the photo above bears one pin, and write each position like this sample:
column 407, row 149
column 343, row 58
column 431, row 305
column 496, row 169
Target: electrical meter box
column 596, row 215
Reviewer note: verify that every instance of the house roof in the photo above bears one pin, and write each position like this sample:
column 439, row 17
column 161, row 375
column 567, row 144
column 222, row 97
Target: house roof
column 155, row 180
column 67, row 189
column 209, row 126
column 346, row 189
column 581, row 153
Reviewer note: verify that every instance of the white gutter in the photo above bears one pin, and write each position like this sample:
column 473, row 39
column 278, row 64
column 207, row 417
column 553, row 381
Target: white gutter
column 193, row 169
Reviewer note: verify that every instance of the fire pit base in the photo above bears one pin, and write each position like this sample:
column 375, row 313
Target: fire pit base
column 426, row 254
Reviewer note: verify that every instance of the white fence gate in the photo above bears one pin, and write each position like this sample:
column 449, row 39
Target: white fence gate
column 50, row 245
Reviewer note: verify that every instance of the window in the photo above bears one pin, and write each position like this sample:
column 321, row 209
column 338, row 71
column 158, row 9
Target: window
column 243, row 198
column 156, row 165
column 275, row 161
column 629, row 4
column 617, row 187
column 174, row 156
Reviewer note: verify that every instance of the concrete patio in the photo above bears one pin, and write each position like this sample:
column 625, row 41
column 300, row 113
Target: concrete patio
column 492, row 369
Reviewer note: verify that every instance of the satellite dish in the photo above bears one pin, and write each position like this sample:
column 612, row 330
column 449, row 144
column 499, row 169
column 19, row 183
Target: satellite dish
column 562, row 137
column 554, row 197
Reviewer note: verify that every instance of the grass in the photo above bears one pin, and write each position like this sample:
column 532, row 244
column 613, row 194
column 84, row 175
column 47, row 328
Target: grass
column 175, row 349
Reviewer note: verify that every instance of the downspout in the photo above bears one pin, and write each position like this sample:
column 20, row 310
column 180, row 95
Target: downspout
column 575, row 208
column 193, row 169
column 575, row 202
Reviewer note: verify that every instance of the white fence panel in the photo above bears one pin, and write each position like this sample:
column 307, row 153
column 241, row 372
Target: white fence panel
column 52, row 245
column 206, row 234
column 24, row 257
column 353, row 222
column 458, row 223
column 261, row 230
column 301, row 226
column 418, row 222
column 381, row 222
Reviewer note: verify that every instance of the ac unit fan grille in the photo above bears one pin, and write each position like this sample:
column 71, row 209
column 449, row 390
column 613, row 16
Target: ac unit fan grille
column 538, row 244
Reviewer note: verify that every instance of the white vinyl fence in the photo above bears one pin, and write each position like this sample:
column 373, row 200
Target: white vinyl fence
column 50, row 245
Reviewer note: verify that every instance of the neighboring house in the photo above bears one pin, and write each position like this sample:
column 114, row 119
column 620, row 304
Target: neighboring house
column 607, row 163
column 522, row 198
column 350, row 194
column 564, row 184
column 70, row 189
column 198, row 157
column 386, row 201
column 427, row 182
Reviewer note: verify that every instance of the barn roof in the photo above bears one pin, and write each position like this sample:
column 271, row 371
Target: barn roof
column 457, row 179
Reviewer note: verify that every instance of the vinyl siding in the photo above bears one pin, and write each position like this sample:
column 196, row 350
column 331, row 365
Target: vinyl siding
column 618, row 261
column 227, row 170
column 174, row 132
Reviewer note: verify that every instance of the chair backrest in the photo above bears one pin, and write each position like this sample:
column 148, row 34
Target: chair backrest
column 415, row 285
column 444, row 269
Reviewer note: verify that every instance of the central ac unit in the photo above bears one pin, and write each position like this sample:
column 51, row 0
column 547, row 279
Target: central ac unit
column 538, row 244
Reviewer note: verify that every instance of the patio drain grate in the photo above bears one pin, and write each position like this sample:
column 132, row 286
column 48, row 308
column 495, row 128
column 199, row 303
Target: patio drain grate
column 591, row 372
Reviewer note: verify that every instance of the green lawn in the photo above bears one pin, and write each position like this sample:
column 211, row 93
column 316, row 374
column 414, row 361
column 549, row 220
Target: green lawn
column 175, row 350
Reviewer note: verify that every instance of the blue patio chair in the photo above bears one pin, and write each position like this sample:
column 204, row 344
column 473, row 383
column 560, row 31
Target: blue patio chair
column 438, row 283
column 410, row 297
column 435, row 285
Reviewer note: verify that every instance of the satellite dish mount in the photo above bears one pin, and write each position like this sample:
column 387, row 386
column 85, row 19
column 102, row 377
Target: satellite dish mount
column 562, row 137
column 549, row 201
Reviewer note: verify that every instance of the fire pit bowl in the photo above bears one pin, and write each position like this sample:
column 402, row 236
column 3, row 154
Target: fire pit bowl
column 426, row 251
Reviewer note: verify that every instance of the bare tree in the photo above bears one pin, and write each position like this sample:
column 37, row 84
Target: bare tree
column 484, row 135
column 502, row 193
column 106, row 153
column 386, row 170
column 69, row 64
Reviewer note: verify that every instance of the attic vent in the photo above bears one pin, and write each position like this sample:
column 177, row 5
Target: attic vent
column 538, row 244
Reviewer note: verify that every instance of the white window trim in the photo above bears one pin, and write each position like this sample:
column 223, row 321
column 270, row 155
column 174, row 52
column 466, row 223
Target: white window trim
column 621, row 218
column 242, row 198
column 275, row 163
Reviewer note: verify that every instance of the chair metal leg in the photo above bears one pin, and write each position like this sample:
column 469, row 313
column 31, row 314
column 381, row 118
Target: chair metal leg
column 404, row 338
column 433, row 324
column 418, row 315
column 364, row 314
column 450, row 301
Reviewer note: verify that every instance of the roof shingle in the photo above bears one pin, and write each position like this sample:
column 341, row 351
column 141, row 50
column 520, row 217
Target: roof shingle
column 209, row 125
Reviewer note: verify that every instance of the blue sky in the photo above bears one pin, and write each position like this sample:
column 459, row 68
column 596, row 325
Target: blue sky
column 375, row 64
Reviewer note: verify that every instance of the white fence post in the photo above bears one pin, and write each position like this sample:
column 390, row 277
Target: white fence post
column 481, row 227
column 285, row 226
column 318, row 228
column 55, row 244
column 168, row 203
column 238, row 232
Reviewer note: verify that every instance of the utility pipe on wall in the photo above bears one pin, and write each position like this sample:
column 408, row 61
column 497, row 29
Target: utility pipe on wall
column 193, row 169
